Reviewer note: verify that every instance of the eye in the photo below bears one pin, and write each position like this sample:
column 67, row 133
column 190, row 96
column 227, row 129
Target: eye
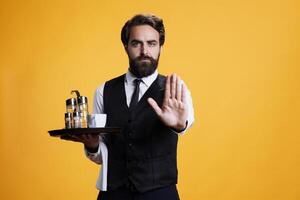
column 134, row 43
column 152, row 43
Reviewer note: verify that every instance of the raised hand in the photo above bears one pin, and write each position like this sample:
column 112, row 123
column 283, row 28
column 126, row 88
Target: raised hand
column 173, row 112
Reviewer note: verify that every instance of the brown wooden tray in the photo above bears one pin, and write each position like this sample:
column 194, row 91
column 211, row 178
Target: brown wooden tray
column 80, row 131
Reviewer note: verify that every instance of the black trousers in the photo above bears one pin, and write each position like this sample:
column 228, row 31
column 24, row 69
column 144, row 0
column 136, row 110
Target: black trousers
column 165, row 193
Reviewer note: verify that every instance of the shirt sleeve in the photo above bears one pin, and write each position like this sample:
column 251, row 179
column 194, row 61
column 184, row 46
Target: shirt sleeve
column 98, row 108
column 95, row 156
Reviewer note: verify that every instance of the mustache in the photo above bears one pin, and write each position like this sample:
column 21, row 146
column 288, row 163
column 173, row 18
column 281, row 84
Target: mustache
column 144, row 57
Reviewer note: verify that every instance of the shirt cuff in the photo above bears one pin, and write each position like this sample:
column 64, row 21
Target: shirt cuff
column 182, row 130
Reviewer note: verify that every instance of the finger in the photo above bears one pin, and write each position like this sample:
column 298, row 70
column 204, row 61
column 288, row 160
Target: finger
column 173, row 86
column 178, row 89
column 78, row 138
column 184, row 91
column 167, row 90
column 65, row 137
column 154, row 105
column 92, row 136
column 69, row 138
column 85, row 137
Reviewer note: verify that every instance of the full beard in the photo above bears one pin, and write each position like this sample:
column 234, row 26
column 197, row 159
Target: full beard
column 143, row 66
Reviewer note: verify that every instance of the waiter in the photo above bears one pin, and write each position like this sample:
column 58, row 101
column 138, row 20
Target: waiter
column 152, row 110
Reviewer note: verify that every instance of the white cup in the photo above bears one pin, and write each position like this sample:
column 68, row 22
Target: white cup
column 96, row 120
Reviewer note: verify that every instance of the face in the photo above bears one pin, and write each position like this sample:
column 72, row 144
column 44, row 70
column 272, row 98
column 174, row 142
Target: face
column 143, row 50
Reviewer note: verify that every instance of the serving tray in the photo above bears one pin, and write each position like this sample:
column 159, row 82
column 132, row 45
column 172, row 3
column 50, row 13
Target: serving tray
column 80, row 131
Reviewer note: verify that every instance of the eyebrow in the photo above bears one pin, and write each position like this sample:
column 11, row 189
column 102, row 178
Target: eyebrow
column 139, row 41
column 150, row 41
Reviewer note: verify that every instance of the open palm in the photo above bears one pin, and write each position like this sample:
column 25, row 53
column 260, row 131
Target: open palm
column 173, row 112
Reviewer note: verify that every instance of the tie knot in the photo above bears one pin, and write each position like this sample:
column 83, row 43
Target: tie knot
column 137, row 81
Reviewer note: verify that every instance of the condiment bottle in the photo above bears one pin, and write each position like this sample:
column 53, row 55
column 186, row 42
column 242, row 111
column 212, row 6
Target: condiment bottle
column 83, row 120
column 80, row 114
column 82, row 104
column 71, row 105
column 76, row 119
column 68, row 120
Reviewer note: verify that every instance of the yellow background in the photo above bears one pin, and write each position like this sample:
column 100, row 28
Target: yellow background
column 240, row 59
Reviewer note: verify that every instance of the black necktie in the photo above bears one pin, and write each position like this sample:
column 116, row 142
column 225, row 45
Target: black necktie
column 135, row 95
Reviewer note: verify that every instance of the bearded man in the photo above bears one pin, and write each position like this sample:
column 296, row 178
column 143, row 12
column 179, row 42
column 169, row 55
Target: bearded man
column 152, row 110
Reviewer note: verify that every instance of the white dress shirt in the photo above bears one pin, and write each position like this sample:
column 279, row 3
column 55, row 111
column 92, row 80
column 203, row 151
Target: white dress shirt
column 101, row 156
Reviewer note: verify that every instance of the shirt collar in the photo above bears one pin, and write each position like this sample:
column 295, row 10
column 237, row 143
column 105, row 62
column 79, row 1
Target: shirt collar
column 148, row 80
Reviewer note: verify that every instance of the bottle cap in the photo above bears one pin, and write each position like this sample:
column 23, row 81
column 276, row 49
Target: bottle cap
column 82, row 100
column 76, row 114
column 71, row 101
column 68, row 115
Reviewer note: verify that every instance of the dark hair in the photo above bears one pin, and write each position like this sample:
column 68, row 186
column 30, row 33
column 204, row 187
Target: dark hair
column 143, row 19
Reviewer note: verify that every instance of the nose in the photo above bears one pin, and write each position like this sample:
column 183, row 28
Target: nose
column 144, row 50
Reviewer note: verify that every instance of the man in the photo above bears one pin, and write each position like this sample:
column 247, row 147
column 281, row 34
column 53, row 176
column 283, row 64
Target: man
column 152, row 110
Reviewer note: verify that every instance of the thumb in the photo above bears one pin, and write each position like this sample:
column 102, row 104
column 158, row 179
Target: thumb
column 154, row 105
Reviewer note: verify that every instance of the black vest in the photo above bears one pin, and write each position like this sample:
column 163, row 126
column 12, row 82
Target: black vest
column 145, row 151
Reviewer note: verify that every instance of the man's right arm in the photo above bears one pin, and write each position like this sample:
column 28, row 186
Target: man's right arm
column 94, row 149
column 94, row 153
